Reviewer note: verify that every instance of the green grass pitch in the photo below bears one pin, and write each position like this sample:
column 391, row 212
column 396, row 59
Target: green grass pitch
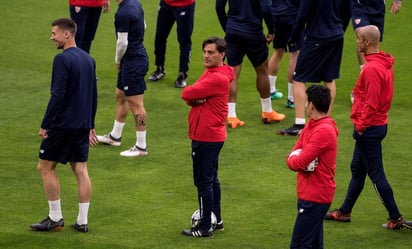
column 146, row 202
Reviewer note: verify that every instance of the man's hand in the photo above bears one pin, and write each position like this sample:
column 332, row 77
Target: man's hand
column 93, row 138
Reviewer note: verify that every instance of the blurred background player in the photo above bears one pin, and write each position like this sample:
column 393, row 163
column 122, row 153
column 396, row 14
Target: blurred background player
column 242, row 24
column 208, row 98
column 284, row 13
column 170, row 11
column 373, row 97
column 132, row 62
column 324, row 24
column 314, row 159
column 86, row 14
column 371, row 12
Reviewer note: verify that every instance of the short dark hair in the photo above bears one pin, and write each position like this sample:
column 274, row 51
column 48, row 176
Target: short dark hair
column 65, row 24
column 319, row 96
column 220, row 43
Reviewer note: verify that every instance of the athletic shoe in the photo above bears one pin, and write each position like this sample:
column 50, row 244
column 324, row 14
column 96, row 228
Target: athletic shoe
column 407, row 225
column 159, row 74
column 294, row 130
column 337, row 216
column 276, row 95
column 108, row 139
column 219, row 226
column 81, row 228
column 47, row 225
column 397, row 224
column 234, row 123
column 181, row 80
column 134, row 151
column 290, row 104
column 197, row 232
column 269, row 117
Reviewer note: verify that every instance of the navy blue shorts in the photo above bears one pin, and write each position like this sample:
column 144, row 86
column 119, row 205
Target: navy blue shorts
column 284, row 26
column 65, row 146
column 132, row 73
column 364, row 20
column 239, row 45
column 319, row 60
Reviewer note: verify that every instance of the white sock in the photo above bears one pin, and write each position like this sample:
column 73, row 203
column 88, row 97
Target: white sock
column 141, row 139
column 266, row 105
column 232, row 110
column 83, row 212
column 300, row 121
column 290, row 91
column 55, row 211
column 272, row 81
column 117, row 129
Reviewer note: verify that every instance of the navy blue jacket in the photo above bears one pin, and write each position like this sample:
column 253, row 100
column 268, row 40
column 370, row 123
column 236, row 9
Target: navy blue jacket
column 368, row 7
column 73, row 100
column 285, row 7
column 245, row 16
column 322, row 19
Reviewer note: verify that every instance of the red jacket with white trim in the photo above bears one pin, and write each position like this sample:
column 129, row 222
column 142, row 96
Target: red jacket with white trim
column 373, row 92
column 318, row 141
column 209, row 97
column 87, row 3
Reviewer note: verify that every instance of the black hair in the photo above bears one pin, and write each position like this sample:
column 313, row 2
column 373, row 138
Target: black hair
column 65, row 24
column 320, row 97
column 220, row 43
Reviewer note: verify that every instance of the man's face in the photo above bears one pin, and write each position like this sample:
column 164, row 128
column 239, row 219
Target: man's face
column 211, row 56
column 58, row 36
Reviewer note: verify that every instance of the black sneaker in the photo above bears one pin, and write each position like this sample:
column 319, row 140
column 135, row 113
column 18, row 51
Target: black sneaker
column 81, row 228
column 47, row 225
column 159, row 74
column 219, row 226
column 294, row 130
column 197, row 232
column 181, row 80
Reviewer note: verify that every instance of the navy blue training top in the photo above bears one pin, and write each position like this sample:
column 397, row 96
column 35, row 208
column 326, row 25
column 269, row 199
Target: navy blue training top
column 368, row 7
column 245, row 16
column 322, row 19
column 129, row 18
column 73, row 100
column 285, row 7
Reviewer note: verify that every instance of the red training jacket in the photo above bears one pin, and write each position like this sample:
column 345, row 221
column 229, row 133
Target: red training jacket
column 318, row 140
column 179, row 3
column 207, row 121
column 87, row 3
column 373, row 92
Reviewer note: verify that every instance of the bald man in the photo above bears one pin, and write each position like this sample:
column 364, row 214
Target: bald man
column 373, row 96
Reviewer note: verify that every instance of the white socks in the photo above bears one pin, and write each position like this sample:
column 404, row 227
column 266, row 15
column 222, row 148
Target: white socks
column 232, row 110
column 266, row 105
column 117, row 129
column 83, row 212
column 272, row 81
column 290, row 91
column 300, row 121
column 141, row 139
column 55, row 211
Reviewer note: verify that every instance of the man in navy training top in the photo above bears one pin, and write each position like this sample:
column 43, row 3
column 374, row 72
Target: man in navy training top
column 324, row 24
column 68, row 125
column 132, row 62
column 244, row 35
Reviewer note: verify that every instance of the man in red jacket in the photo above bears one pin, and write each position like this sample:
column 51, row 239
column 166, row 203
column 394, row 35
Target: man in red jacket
column 86, row 14
column 208, row 97
column 314, row 159
column 373, row 94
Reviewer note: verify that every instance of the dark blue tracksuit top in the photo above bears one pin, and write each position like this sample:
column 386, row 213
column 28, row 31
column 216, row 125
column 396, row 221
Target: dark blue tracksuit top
column 245, row 16
column 73, row 100
column 322, row 19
